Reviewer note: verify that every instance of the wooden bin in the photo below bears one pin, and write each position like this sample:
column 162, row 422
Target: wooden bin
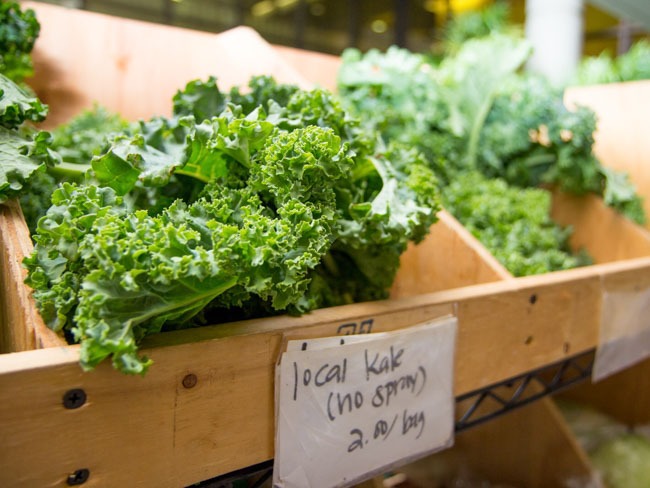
column 531, row 447
column 153, row 431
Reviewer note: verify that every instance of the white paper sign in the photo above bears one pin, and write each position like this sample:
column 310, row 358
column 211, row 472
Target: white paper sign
column 624, row 338
column 345, row 412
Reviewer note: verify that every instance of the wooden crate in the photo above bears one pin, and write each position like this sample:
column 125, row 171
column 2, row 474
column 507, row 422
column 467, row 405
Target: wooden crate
column 529, row 448
column 155, row 432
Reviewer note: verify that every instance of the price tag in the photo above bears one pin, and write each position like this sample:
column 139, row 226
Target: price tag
column 350, row 408
column 624, row 337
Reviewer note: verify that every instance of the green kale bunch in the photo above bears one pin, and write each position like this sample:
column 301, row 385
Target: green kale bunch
column 281, row 202
column 18, row 32
column 475, row 24
column 474, row 112
column 87, row 134
column 513, row 223
column 530, row 138
column 631, row 66
column 76, row 142
column 24, row 151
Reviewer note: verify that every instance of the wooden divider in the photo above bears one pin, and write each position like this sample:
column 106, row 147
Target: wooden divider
column 155, row 432
column 621, row 137
column 21, row 326
column 81, row 58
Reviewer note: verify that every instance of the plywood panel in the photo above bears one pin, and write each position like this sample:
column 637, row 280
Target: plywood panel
column 134, row 68
column 322, row 69
column 176, row 436
column 622, row 140
column 449, row 257
column 21, row 325
column 604, row 233
column 531, row 447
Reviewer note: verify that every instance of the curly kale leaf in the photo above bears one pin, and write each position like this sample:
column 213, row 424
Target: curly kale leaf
column 87, row 135
column 264, row 92
column 392, row 92
column 513, row 223
column 530, row 138
column 164, row 147
column 475, row 24
column 119, row 275
column 620, row 194
column 18, row 32
column 17, row 106
column 22, row 157
column 280, row 195
column 24, row 152
column 391, row 199
column 76, row 142
column 470, row 81
column 200, row 99
column 633, row 65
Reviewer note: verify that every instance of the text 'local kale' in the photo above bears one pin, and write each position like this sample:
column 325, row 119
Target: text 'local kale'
column 282, row 203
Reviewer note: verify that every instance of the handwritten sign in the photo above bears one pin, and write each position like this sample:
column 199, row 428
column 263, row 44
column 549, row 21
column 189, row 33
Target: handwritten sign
column 350, row 407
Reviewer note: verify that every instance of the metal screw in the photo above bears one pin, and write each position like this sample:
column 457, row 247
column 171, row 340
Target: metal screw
column 190, row 381
column 79, row 477
column 74, row 398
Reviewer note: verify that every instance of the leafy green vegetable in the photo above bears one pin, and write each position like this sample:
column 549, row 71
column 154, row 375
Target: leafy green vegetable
column 87, row 134
column 24, row 152
column 475, row 24
column 624, row 462
column 635, row 64
column 621, row 456
column 514, row 224
column 631, row 66
column 20, row 158
column 76, row 141
column 530, row 138
column 18, row 32
column 17, row 106
column 291, row 206
column 469, row 83
column 475, row 112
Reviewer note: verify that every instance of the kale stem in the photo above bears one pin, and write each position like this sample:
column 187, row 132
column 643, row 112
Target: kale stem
column 69, row 171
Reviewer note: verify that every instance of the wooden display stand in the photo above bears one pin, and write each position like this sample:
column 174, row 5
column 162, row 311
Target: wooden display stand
column 158, row 432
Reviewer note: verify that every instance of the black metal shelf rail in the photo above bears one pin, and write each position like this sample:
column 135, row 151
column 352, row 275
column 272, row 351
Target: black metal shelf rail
column 472, row 408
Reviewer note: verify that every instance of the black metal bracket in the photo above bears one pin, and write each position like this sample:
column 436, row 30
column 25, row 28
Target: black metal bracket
column 484, row 404
column 472, row 408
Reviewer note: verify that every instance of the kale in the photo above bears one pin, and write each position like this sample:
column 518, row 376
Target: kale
column 285, row 203
column 18, row 32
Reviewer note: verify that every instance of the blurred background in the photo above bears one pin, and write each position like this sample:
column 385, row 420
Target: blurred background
column 332, row 25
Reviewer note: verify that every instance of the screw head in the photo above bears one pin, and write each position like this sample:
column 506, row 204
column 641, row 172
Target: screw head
column 79, row 477
column 190, row 380
column 74, row 398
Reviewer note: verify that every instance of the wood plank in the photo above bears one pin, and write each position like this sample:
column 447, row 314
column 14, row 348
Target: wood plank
column 449, row 257
column 531, row 447
column 21, row 325
column 621, row 137
column 625, row 395
column 319, row 68
column 604, row 233
column 177, row 436
column 133, row 67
